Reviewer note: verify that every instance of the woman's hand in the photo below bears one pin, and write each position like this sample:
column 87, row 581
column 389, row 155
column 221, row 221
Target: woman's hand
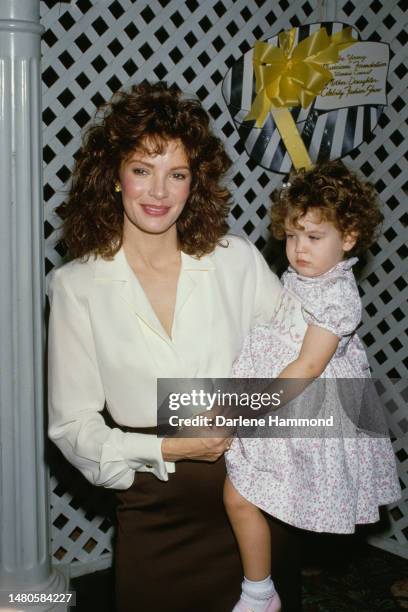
column 197, row 449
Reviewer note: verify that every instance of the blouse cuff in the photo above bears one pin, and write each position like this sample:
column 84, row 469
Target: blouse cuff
column 142, row 453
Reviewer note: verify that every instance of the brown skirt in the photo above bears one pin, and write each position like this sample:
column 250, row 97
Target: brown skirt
column 175, row 550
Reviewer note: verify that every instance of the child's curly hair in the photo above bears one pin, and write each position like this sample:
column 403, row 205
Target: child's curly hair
column 337, row 195
column 147, row 117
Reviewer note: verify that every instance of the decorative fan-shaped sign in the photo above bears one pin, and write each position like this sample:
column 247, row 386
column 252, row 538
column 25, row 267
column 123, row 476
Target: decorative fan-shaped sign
column 313, row 93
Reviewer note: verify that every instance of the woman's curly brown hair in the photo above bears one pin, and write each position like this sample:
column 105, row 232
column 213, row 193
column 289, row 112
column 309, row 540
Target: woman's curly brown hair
column 337, row 194
column 147, row 117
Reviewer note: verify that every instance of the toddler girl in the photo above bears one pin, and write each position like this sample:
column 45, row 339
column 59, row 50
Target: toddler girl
column 325, row 484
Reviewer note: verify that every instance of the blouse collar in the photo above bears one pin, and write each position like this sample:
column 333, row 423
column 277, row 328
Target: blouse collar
column 118, row 268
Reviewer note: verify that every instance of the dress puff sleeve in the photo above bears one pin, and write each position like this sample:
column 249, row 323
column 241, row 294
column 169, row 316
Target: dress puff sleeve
column 331, row 301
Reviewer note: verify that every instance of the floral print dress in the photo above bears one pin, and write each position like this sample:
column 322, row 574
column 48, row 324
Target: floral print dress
column 324, row 484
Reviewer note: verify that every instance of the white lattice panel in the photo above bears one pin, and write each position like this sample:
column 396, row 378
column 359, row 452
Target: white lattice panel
column 91, row 48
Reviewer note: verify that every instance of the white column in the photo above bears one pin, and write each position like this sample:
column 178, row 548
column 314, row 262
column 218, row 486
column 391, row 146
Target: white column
column 25, row 563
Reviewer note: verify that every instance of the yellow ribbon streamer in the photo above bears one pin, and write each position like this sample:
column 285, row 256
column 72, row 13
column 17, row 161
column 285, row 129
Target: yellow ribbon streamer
column 292, row 75
column 291, row 138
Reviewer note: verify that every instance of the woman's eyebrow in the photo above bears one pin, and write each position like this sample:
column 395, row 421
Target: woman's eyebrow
column 145, row 163
column 140, row 160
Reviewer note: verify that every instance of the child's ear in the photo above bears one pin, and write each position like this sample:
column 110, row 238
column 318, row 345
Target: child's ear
column 349, row 241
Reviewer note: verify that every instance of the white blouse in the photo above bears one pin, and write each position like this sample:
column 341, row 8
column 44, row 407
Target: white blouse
column 106, row 345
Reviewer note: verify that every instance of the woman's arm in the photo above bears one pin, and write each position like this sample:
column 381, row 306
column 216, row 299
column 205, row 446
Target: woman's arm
column 197, row 449
column 106, row 456
column 268, row 288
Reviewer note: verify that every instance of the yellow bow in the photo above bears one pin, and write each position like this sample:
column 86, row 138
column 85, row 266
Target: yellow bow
column 292, row 75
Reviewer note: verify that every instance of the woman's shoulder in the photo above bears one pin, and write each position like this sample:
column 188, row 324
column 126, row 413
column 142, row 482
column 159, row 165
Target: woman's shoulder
column 235, row 248
column 75, row 275
column 235, row 243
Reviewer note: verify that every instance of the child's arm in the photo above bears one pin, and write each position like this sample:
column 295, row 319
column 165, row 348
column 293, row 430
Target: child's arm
column 332, row 311
column 318, row 347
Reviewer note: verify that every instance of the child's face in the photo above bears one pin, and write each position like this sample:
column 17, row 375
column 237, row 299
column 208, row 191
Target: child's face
column 317, row 247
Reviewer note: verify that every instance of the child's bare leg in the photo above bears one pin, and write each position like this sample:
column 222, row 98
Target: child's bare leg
column 253, row 536
column 252, row 532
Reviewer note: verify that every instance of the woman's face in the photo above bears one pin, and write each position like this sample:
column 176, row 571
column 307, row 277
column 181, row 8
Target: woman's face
column 155, row 189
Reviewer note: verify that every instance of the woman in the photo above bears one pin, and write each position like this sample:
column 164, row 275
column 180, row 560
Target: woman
column 153, row 291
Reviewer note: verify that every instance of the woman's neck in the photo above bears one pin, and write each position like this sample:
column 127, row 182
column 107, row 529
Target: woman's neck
column 150, row 250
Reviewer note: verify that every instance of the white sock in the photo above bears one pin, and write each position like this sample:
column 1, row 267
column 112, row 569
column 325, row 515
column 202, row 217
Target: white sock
column 256, row 593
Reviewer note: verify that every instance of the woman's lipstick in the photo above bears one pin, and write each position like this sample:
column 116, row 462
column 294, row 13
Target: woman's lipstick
column 155, row 211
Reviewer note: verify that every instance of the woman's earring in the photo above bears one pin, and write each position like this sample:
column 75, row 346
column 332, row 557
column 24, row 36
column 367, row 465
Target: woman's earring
column 118, row 188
